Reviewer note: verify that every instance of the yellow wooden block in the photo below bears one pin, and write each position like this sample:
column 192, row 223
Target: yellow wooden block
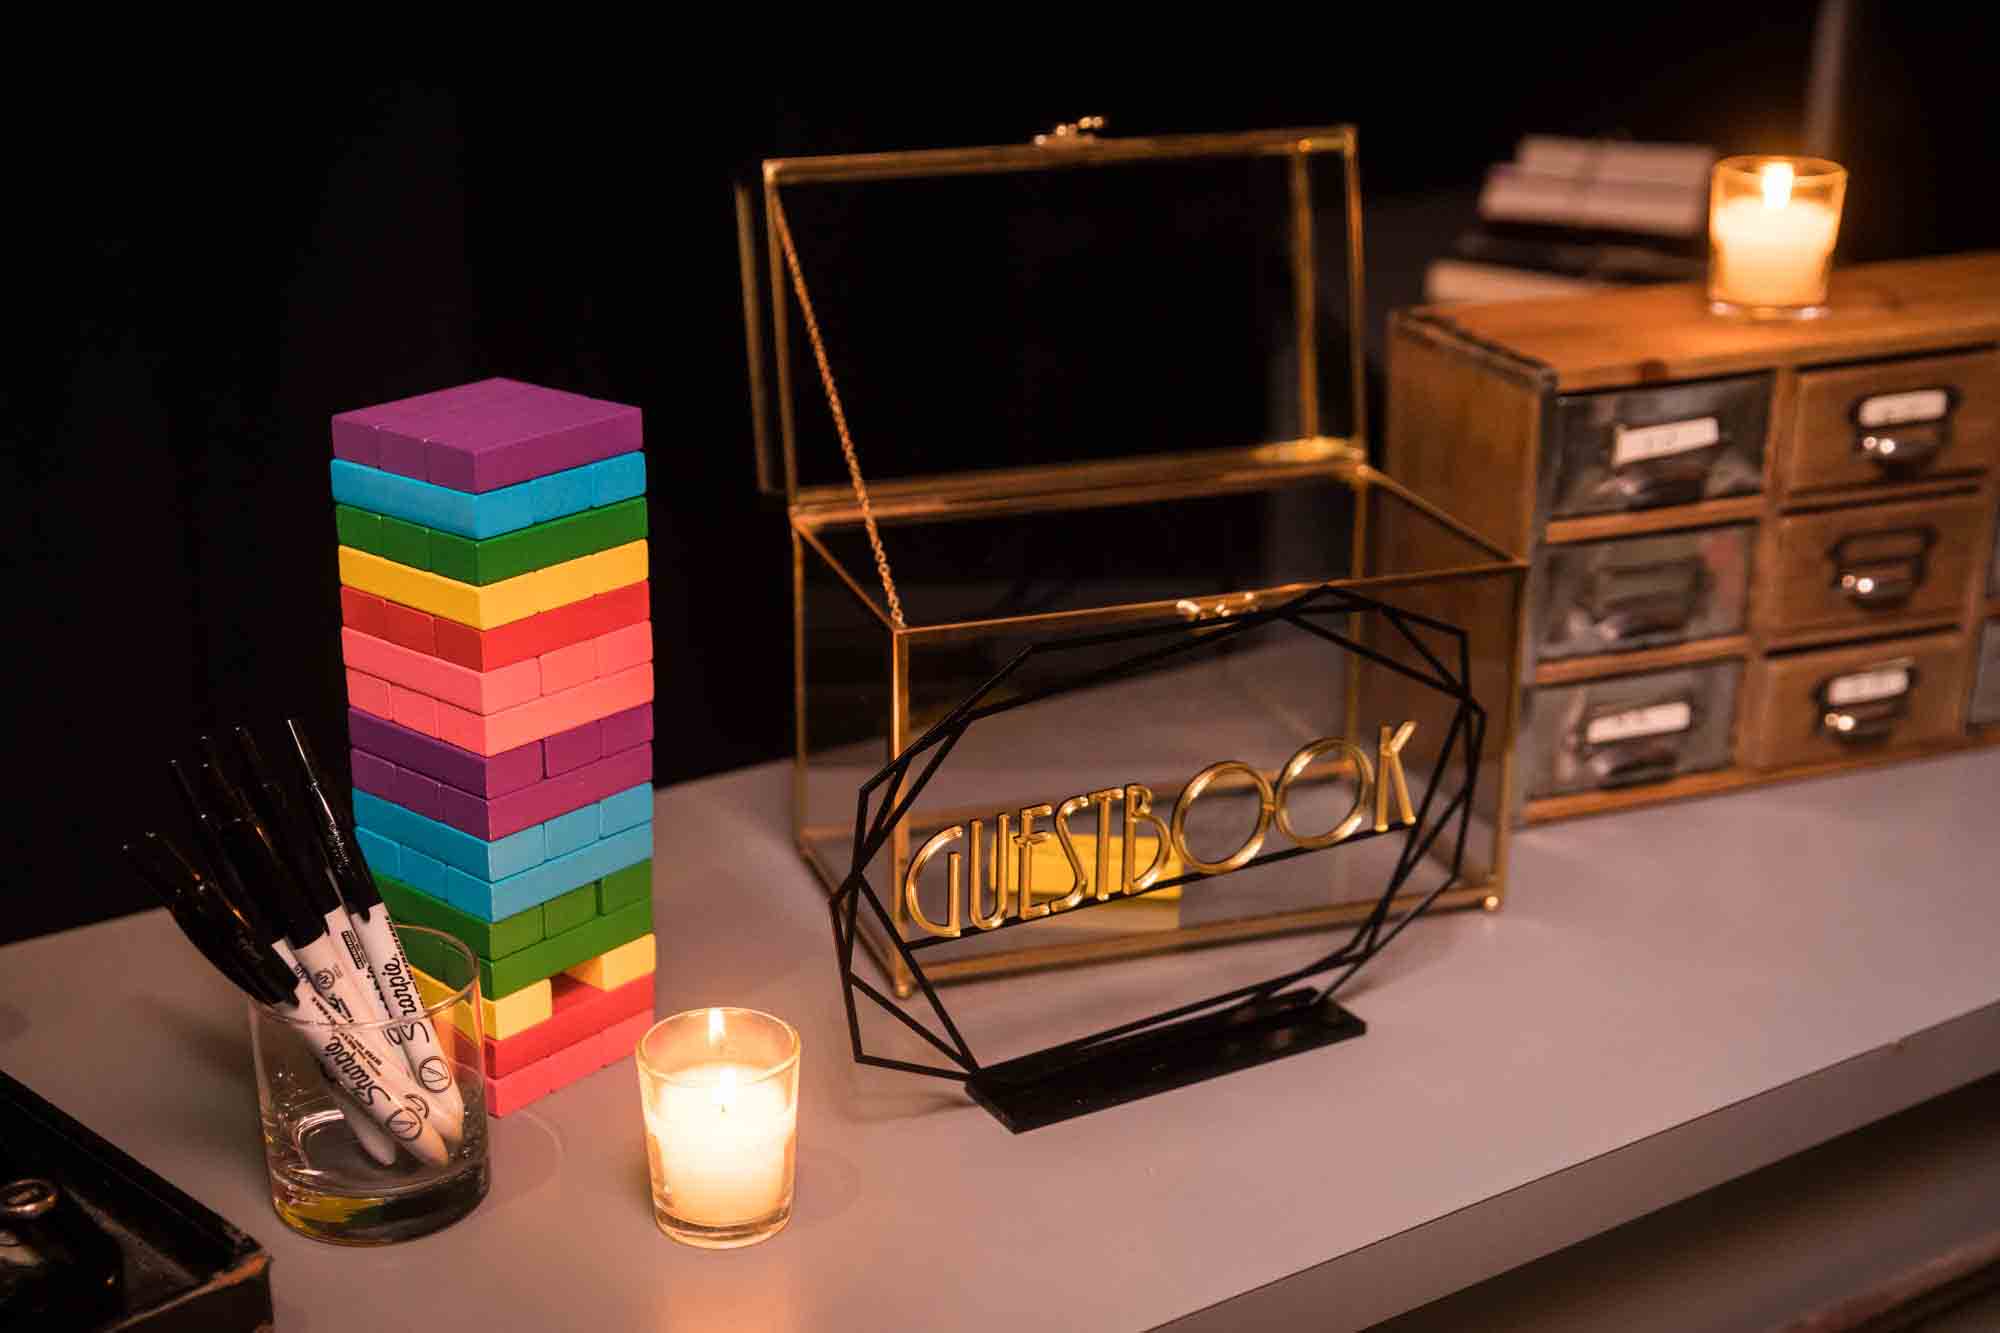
column 501, row 1018
column 494, row 604
column 589, row 575
column 627, row 962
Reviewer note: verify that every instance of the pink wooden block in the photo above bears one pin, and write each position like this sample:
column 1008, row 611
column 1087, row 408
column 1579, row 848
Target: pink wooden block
column 571, row 708
column 463, row 728
column 567, row 667
column 369, row 694
column 492, row 733
column 626, row 647
column 478, row 691
column 418, row 712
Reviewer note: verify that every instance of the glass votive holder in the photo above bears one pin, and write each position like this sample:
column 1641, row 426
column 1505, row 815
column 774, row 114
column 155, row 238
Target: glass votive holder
column 720, row 1092
column 375, row 1132
column 1772, row 222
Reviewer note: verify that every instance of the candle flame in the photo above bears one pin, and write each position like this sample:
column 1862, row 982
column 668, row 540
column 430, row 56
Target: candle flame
column 1777, row 180
column 715, row 1027
column 725, row 1088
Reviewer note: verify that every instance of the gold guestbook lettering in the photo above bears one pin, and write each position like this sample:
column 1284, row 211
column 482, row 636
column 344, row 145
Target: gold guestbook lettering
column 1001, row 886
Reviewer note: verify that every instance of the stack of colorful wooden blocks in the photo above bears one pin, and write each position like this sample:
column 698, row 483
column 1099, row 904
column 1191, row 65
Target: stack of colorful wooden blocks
column 499, row 656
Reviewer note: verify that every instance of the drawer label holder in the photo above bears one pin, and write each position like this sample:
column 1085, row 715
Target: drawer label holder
column 1637, row 444
column 1902, row 409
column 1631, row 724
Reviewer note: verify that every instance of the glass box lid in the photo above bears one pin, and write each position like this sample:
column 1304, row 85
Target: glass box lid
column 1080, row 312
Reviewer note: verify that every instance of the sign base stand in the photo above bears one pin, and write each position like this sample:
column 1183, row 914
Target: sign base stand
column 1052, row 1086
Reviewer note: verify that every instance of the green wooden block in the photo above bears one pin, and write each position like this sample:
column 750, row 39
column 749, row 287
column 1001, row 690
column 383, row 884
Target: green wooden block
column 358, row 528
column 425, row 952
column 595, row 936
column 488, row 939
column 569, row 910
column 621, row 888
column 405, row 543
column 454, row 556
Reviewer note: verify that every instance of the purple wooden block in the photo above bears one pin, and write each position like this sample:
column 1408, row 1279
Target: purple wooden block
column 416, row 792
column 504, row 815
column 573, row 748
column 462, row 810
column 359, row 436
column 624, row 730
column 480, row 437
column 540, row 432
column 478, row 774
column 374, row 775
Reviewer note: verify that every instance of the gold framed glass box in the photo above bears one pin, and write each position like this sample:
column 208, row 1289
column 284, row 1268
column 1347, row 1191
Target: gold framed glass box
column 1019, row 393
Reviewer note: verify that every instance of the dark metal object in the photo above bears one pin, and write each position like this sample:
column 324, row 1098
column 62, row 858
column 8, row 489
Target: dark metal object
column 1215, row 1035
column 108, row 1244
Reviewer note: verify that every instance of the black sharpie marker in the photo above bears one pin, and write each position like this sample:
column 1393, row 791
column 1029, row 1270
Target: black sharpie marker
column 395, row 981
column 209, row 925
column 334, row 987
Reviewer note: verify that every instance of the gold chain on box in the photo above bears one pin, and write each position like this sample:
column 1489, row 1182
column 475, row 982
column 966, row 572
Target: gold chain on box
column 839, row 415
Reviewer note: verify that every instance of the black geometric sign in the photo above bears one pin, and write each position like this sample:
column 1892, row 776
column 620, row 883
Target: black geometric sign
column 1219, row 1033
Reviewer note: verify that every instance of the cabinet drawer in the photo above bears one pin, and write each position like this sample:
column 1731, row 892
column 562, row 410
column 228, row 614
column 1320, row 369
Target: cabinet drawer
column 1639, row 448
column 1875, row 565
column 1642, row 592
column 1993, row 574
column 1898, row 421
column 1839, row 703
column 1986, row 692
column 1626, row 731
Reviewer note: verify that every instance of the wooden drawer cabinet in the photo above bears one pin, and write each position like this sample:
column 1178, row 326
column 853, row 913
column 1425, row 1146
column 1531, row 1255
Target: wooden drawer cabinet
column 1985, row 707
column 1873, row 567
column 1736, row 530
column 1827, row 704
column 1899, row 421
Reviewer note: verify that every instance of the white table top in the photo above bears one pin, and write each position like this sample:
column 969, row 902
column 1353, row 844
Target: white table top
column 1670, row 998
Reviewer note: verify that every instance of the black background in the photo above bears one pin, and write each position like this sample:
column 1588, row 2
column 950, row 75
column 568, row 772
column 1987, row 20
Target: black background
column 230, row 262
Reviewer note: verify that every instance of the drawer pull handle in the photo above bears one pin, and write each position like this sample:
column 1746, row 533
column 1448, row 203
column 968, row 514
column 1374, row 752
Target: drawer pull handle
column 1882, row 569
column 1628, row 601
column 1859, row 707
column 1881, row 585
column 1906, row 451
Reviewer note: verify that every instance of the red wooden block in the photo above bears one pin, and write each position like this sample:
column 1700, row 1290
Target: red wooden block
column 621, row 1040
column 504, row 1096
column 465, row 646
column 581, row 1012
column 409, row 627
column 504, row 645
column 363, row 611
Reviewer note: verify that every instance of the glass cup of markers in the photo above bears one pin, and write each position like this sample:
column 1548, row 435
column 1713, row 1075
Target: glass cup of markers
column 375, row 1132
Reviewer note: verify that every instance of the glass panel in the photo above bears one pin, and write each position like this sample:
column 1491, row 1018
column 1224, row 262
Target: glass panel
column 1059, row 316
column 1104, row 698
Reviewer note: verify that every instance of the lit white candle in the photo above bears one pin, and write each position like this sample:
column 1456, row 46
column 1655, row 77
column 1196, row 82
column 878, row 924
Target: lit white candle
column 724, row 1138
column 719, row 1089
column 1771, row 249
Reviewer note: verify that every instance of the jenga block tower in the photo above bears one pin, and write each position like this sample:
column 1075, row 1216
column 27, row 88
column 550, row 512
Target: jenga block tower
column 499, row 658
